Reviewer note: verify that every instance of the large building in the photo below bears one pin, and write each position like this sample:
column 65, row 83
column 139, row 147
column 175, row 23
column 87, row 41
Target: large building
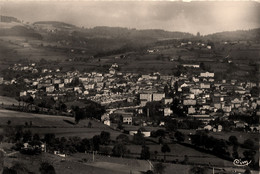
column 158, row 96
column 206, row 74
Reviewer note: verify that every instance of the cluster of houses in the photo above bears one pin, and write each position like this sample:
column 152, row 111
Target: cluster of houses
column 199, row 95
column 198, row 44
column 202, row 94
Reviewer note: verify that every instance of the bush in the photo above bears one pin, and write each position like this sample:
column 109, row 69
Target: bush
column 104, row 138
column 159, row 168
column 179, row 136
column 9, row 171
column 47, row 168
column 122, row 138
column 233, row 140
column 145, row 153
column 119, row 150
column 248, row 144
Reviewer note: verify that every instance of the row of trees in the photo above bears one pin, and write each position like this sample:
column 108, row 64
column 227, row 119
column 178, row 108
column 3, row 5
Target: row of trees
column 45, row 168
column 173, row 125
column 210, row 143
column 220, row 147
column 91, row 110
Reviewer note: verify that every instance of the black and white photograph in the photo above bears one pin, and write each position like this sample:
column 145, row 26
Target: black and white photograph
column 129, row 87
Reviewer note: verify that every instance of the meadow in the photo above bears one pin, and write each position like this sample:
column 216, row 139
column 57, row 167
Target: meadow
column 63, row 126
column 59, row 125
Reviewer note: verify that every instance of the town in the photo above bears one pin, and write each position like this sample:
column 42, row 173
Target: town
column 182, row 101
column 129, row 87
column 194, row 96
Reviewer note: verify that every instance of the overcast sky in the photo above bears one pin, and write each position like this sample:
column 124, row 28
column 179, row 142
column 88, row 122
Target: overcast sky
column 204, row 17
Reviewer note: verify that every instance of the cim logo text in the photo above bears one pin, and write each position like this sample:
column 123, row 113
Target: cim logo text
column 239, row 162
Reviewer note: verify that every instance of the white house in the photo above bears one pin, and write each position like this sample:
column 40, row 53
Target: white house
column 206, row 74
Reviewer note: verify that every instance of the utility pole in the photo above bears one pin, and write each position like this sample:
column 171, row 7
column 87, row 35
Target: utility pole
column 93, row 156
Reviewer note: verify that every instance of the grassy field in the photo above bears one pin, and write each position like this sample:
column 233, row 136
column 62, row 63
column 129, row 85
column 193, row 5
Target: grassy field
column 178, row 152
column 60, row 125
column 75, row 164
column 55, row 124
column 241, row 136
column 8, row 101
column 83, row 163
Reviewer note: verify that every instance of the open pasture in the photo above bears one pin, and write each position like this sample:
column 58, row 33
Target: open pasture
column 59, row 125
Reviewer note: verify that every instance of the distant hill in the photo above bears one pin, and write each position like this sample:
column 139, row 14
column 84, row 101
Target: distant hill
column 54, row 24
column 253, row 34
column 9, row 19
column 102, row 40
column 121, row 32
column 11, row 26
column 20, row 31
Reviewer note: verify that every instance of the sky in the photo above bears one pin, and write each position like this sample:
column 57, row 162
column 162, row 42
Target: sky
column 204, row 17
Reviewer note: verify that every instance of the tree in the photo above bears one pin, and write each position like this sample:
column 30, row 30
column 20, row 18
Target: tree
column 49, row 139
column 186, row 159
column 235, row 154
column 171, row 125
column 166, row 90
column 122, row 138
column 62, row 106
column 95, row 142
column 84, row 145
column 160, row 140
column 160, row 133
column 159, row 168
column 20, row 168
column 46, row 168
column 75, row 81
column 145, row 153
column 220, row 147
column 175, row 107
column 202, row 66
column 89, row 124
column 154, row 109
column 79, row 114
column 249, row 155
column 179, row 136
column 155, row 154
column 249, row 144
column 18, row 133
column 1, row 160
column 9, row 122
column 197, row 170
column 27, row 136
column 119, row 150
column 9, row 132
column 104, row 138
column 255, row 91
column 148, row 172
column 233, row 140
column 139, row 138
column 92, row 110
column 120, row 125
column 1, row 138
column 9, row 171
column 247, row 171
column 164, row 149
